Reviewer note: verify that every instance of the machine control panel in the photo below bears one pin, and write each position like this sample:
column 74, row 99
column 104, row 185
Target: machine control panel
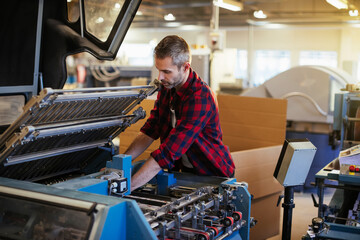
column 354, row 168
column 350, row 169
column 118, row 186
column 117, row 182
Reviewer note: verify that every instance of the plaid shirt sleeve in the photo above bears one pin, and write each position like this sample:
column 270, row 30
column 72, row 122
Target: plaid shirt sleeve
column 195, row 114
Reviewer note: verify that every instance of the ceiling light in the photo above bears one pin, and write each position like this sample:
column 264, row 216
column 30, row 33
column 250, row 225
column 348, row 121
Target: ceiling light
column 229, row 4
column 139, row 13
column 169, row 17
column 259, row 14
column 339, row 4
column 354, row 13
column 117, row 5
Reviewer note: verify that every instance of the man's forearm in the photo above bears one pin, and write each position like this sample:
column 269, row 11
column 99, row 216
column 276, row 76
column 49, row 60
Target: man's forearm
column 139, row 145
column 145, row 173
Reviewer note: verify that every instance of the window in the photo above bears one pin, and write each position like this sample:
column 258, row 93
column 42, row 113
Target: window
column 73, row 10
column 136, row 54
column 100, row 16
column 358, row 70
column 323, row 58
column 269, row 63
column 241, row 64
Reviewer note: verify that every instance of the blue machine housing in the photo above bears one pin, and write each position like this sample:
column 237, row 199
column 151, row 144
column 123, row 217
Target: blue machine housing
column 109, row 217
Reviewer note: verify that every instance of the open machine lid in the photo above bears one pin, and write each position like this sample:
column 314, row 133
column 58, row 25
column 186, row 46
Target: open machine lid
column 38, row 35
column 62, row 131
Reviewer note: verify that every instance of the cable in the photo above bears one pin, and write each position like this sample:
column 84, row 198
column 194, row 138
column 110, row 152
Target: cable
column 300, row 94
column 99, row 75
column 115, row 73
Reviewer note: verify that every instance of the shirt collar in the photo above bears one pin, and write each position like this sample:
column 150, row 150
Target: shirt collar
column 186, row 85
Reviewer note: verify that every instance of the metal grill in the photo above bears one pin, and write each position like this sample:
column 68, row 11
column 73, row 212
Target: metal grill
column 61, row 131
column 65, row 110
column 50, row 167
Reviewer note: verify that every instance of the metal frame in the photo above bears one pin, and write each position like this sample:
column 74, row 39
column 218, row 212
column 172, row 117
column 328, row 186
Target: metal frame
column 32, row 90
column 346, row 99
column 334, row 230
column 59, row 125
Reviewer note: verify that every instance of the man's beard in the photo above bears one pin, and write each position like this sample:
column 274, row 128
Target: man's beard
column 178, row 80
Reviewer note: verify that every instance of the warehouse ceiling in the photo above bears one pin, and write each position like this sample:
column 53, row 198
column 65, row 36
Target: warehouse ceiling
column 199, row 12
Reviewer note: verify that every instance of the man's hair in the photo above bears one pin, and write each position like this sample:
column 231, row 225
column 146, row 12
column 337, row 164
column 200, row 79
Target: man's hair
column 175, row 47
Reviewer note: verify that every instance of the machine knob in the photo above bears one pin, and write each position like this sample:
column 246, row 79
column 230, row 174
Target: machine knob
column 317, row 224
column 237, row 216
column 228, row 221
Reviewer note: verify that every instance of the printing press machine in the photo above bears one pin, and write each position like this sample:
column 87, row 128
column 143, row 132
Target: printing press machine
column 61, row 176
column 339, row 218
column 53, row 184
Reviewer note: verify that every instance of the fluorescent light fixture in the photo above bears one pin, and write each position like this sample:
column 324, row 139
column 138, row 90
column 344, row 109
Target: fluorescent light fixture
column 339, row 4
column 169, row 17
column 354, row 13
column 190, row 27
column 260, row 14
column 173, row 24
column 275, row 26
column 229, row 4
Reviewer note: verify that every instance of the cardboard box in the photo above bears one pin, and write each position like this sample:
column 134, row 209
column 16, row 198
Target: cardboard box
column 254, row 129
column 256, row 167
column 264, row 210
column 250, row 122
column 127, row 137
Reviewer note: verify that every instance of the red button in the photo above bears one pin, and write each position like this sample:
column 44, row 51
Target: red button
column 352, row 168
column 357, row 169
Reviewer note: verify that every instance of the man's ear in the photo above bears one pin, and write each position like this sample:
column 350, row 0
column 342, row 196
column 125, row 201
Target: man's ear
column 186, row 66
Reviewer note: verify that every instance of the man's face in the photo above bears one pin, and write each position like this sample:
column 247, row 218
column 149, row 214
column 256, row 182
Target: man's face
column 169, row 74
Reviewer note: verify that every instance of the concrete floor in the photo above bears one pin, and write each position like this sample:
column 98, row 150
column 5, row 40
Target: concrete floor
column 303, row 213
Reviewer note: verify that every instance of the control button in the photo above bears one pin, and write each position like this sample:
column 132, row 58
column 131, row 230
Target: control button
column 352, row 168
column 357, row 169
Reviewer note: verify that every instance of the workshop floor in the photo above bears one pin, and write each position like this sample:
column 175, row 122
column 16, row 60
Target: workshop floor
column 303, row 212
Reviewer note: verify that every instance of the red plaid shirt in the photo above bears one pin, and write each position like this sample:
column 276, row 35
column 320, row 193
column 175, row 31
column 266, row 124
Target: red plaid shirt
column 197, row 132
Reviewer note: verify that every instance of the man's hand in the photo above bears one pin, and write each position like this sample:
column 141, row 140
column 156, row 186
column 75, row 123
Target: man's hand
column 145, row 173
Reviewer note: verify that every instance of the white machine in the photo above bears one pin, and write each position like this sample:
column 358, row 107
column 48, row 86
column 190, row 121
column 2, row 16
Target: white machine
column 310, row 91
